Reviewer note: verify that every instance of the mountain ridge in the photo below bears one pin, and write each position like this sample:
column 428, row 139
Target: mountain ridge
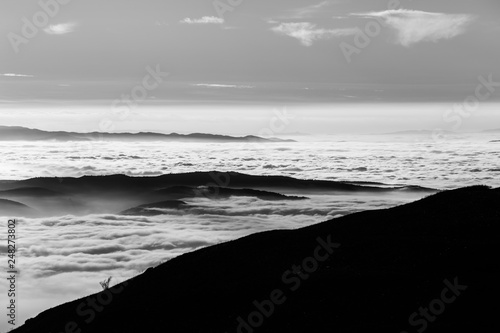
column 18, row 133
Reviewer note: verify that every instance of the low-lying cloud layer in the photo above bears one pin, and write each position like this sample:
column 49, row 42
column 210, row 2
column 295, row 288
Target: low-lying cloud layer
column 386, row 159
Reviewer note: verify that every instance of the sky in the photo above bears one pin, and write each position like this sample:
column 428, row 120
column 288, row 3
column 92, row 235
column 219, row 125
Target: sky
column 283, row 53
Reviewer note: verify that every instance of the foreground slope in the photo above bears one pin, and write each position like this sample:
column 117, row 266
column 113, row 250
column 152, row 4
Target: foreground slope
column 384, row 266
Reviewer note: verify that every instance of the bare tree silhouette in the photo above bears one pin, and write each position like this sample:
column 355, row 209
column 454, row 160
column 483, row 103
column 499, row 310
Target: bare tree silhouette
column 105, row 284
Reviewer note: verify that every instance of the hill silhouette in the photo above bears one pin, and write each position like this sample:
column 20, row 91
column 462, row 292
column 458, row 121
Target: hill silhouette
column 117, row 193
column 195, row 179
column 372, row 272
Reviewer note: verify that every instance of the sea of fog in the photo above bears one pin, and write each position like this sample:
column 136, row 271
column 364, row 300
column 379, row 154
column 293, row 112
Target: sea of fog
column 445, row 163
column 64, row 258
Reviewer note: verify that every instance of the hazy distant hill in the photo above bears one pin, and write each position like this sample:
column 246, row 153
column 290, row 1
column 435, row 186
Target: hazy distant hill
column 495, row 130
column 366, row 272
column 416, row 132
column 15, row 133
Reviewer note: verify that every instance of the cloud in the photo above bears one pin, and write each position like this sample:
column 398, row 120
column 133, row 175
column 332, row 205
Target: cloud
column 203, row 20
column 307, row 33
column 315, row 10
column 15, row 75
column 60, row 29
column 414, row 26
column 308, row 11
column 161, row 23
column 214, row 85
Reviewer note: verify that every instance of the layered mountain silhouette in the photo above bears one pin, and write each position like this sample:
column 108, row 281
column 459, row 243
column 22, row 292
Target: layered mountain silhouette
column 217, row 192
column 16, row 133
column 432, row 265
column 209, row 192
column 195, row 179
column 119, row 193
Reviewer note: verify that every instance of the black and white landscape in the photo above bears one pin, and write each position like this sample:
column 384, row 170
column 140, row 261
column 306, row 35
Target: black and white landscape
column 249, row 166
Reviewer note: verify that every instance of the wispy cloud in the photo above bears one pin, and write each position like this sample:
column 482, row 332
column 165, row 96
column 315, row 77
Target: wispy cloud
column 214, row 85
column 203, row 20
column 307, row 33
column 414, row 26
column 161, row 23
column 308, row 11
column 15, row 75
column 60, row 29
column 323, row 9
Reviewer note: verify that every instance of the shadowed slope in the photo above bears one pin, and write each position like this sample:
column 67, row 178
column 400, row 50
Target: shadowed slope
column 30, row 192
column 15, row 209
column 389, row 264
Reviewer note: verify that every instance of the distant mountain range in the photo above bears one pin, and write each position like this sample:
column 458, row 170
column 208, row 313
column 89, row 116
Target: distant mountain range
column 431, row 132
column 17, row 133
